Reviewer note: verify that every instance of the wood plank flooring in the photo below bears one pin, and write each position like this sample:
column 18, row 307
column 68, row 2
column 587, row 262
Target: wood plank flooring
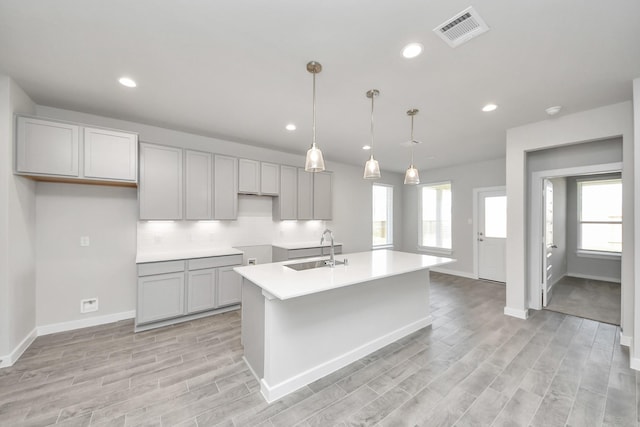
column 472, row 367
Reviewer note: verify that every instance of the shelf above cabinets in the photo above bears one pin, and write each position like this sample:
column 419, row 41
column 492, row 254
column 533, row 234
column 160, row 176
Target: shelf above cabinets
column 50, row 150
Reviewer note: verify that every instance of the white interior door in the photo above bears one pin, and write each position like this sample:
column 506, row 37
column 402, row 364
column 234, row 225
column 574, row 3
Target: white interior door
column 492, row 235
column 547, row 242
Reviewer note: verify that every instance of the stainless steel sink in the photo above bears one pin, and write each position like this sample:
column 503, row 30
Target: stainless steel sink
column 308, row 265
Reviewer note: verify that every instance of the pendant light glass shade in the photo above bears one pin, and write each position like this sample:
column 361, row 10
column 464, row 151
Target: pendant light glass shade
column 315, row 161
column 372, row 168
column 411, row 176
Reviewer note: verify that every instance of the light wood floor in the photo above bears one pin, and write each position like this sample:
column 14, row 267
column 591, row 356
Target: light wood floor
column 591, row 299
column 473, row 367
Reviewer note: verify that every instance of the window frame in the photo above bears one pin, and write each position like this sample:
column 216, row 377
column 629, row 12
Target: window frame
column 592, row 253
column 389, row 192
column 434, row 249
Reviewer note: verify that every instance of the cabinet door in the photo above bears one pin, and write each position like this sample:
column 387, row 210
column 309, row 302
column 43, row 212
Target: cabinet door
column 322, row 196
column 201, row 290
column 229, row 286
column 248, row 176
column 160, row 297
column 286, row 205
column 160, row 191
column 305, row 194
column 198, row 188
column 110, row 155
column 225, row 184
column 269, row 179
column 46, row 147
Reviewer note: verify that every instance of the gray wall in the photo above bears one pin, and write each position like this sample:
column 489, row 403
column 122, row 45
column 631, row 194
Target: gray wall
column 69, row 272
column 464, row 179
column 581, row 266
column 17, row 228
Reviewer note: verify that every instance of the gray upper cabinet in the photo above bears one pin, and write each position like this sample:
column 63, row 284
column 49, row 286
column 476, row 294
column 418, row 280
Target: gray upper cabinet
column 225, row 191
column 160, row 192
column 47, row 148
column 198, row 188
column 285, row 207
column 269, row 179
column 322, row 195
column 52, row 150
column 248, row 176
column 110, row 155
column 305, row 194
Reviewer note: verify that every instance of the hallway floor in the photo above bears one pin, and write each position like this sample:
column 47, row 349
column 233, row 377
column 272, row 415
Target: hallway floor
column 589, row 299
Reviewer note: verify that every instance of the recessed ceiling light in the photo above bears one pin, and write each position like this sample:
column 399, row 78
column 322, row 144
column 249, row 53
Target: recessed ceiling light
column 412, row 50
column 290, row 126
column 128, row 82
column 489, row 107
column 552, row 111
column 366, row 147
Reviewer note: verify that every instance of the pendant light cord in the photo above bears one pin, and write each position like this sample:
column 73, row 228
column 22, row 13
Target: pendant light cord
column 412, row 143
column 314, row 110
column 372, row 96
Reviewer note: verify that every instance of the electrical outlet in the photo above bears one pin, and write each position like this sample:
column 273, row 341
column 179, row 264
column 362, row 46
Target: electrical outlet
column 88, row 305
column 84, row 241
column 252, row 261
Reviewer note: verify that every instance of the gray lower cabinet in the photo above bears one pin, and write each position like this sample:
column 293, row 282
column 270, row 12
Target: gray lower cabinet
column 176, row 291
column 160, row 297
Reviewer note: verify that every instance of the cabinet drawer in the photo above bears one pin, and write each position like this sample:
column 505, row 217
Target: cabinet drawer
column 147, row 269
column 213, row 262
column 304, row 253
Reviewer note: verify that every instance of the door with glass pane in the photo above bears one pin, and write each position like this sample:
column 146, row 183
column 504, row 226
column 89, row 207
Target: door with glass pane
column 492, row 235
column 547, row 246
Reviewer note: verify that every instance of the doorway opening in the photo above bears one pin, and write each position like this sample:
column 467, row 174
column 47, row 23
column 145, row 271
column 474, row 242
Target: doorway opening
column 576, row 241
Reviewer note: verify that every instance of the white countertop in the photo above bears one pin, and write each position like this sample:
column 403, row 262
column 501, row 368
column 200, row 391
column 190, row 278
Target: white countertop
column 177, row 254
column 304, row 245
column 285, row 283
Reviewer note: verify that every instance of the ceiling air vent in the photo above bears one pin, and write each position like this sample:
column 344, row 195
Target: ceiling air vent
column 461, row 28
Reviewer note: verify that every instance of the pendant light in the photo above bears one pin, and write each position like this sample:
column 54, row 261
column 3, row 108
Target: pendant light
column 372, row 168
column 411, row 176
column 315, row 161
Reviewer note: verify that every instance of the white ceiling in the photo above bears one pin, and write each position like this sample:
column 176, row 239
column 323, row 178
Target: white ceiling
column 236, row 69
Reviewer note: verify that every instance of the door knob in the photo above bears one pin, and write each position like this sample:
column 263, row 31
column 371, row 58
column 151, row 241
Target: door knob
column 480, row 240
column 554, row 247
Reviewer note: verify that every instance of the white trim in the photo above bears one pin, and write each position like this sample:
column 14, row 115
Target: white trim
column 535, row 224
column 436, row 251
column 634, row 363
column 591, row 277
column 517, row 312
column 85, row 323
column 613, row 256
column 274, row 392
column 11, row 358
column 476, row 220
column 625, row 340
column 453, row 272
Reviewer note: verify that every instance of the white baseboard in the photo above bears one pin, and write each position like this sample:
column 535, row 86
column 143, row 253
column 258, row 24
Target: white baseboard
column 274, row 392
column 454, row 272
column 516, row 312
column 11, row 358
column 625, row 340
column 590, row 277
column 635, row 364
column 85, row 323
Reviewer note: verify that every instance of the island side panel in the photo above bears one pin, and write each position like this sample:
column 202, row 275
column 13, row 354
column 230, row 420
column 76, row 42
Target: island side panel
column 253, row 327
column 311, row 336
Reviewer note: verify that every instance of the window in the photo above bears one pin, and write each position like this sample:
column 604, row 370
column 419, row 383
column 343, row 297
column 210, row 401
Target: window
column 600, row 215
column 382, row 203
column 435, row 216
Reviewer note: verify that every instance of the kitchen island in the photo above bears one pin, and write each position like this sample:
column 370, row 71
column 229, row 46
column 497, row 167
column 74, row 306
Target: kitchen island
column 298, row 326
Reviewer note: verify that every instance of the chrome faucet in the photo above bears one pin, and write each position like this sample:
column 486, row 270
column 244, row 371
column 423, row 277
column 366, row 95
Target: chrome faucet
column 332, row 261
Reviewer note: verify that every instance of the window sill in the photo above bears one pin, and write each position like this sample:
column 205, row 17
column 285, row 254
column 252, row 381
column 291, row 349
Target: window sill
column 435, row 251
column 389, row 246
column 599, row 255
